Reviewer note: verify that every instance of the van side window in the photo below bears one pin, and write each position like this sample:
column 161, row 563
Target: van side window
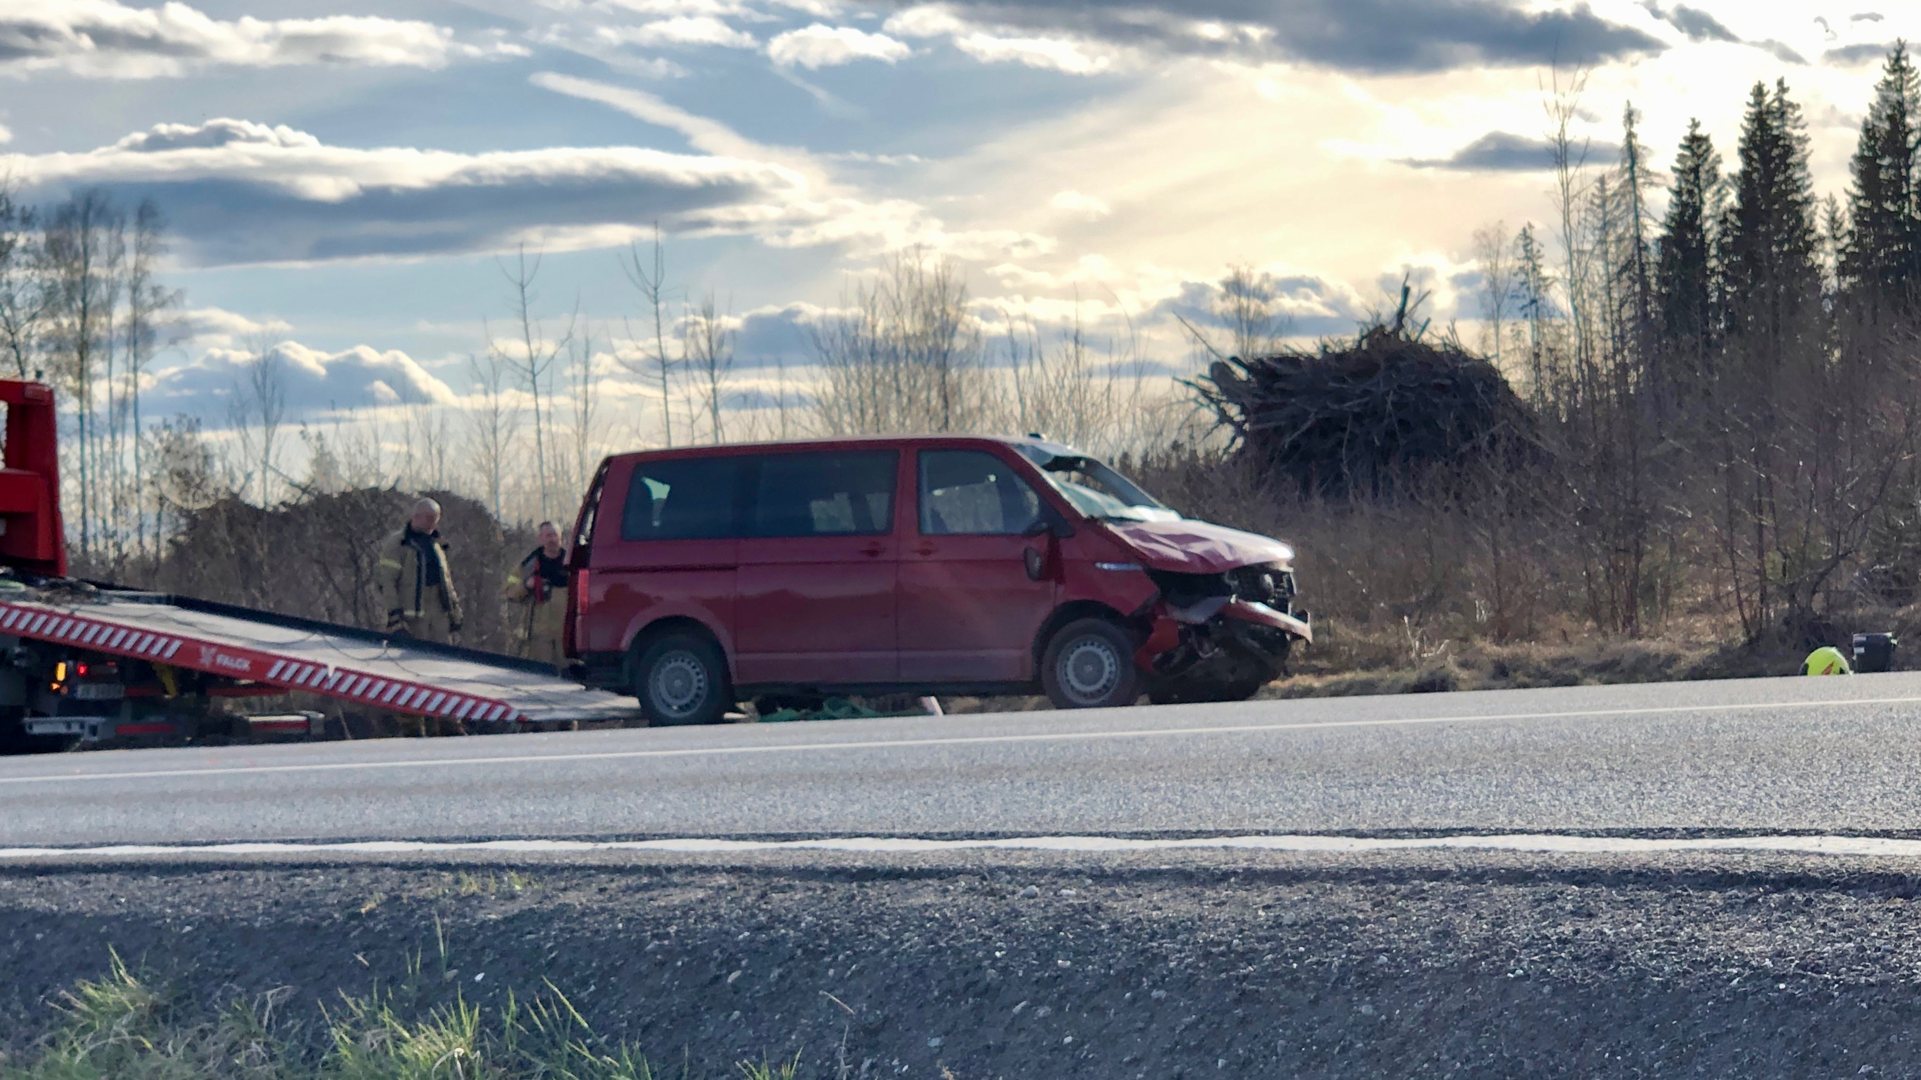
column 683, row 499
column 973, row 493
column 826, row 494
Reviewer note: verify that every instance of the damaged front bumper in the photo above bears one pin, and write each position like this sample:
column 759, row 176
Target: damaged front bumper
column 1221, row 634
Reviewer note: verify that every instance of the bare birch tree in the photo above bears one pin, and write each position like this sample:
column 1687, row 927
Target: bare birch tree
column 258, row 411
column 146, row 334
column 83, row 264
column 1569, row 153
column 904, row 353
column 531, row 357
column 1493, row 251
column 24, row 293
column 648, row 272
column 1246, row 309
column 493, row 426
column 707, row 343
column 584, row 402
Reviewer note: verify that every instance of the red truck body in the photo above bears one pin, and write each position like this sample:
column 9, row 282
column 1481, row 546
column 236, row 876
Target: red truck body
column 32, row 537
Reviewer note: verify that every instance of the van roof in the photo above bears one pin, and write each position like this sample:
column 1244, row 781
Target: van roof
column 1042, row 444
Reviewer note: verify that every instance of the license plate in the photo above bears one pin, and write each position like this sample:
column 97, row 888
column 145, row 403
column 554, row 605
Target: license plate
column 97, row 692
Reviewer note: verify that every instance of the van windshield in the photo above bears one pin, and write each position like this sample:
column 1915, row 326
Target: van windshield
column 1095, row 489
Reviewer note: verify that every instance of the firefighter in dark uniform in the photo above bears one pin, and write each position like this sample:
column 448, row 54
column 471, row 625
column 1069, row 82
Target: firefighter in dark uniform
column 416, row 587
column 539, row 582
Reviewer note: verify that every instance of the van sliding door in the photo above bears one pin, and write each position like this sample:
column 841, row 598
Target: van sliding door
column 818, row 570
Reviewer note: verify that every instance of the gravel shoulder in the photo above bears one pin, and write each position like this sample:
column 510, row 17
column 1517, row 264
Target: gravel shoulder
column 1041, row 965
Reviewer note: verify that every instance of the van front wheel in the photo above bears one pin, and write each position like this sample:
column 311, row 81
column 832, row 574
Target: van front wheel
column 681, row 679
column 1089, row 664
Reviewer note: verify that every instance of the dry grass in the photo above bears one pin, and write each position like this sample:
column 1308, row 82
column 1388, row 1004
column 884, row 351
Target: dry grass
column 126, row 1027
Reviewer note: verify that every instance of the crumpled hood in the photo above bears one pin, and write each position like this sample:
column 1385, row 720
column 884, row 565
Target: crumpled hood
column 1196, row 547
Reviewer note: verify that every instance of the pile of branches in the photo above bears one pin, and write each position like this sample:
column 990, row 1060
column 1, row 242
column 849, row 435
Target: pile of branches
column 1365, row 418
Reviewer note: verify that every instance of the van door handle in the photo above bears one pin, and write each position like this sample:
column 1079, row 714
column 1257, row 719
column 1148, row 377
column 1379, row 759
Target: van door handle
column 924, row 549
column 874, row 551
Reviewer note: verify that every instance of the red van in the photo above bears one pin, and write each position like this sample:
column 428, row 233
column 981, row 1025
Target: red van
column 940, row 565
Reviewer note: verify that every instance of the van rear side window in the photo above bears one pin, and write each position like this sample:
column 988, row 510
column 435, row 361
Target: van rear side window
column 683, row 499
column 826, row 494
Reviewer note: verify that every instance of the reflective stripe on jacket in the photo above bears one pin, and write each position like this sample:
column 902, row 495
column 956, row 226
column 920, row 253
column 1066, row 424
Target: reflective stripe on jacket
column 401, row 578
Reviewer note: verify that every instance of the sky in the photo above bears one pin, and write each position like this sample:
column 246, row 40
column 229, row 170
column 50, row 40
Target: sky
column 343, row 178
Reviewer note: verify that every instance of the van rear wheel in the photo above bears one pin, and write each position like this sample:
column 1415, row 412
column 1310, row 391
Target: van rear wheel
column 681, row 679
column 1089, row 664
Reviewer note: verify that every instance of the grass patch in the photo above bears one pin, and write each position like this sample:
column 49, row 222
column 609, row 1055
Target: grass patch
column 490, row 884
column 124, row 1026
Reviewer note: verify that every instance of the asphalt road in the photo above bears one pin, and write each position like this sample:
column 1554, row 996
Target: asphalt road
column 1805, row 755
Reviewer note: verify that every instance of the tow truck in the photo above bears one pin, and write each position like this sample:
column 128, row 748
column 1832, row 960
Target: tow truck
column 85, row 662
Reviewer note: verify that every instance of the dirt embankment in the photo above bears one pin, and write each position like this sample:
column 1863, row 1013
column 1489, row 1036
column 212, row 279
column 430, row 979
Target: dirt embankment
column 1048, row 966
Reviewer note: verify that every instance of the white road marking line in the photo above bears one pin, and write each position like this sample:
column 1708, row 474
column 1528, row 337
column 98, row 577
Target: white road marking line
column 1518, row 843
column 948, row 740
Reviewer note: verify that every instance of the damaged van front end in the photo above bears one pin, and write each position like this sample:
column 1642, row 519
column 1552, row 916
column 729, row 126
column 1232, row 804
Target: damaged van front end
column 1223, row 618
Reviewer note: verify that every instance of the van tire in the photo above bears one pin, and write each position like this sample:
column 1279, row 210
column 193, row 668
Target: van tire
column 1089, row 664
column 681, row 680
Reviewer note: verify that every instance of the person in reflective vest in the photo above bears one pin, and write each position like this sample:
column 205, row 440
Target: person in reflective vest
column 539, row 582
column 414, row 581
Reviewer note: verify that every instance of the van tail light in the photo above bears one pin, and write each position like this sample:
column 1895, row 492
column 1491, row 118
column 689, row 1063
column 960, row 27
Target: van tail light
column 582, row 581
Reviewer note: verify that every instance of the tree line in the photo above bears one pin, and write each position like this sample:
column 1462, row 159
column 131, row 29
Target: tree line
column 1730, row 385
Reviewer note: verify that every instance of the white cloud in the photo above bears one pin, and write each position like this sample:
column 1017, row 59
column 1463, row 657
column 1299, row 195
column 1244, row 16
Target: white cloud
column 740, row 9
column 220, row 131
column 313, row 381
column 683, row 30
column 925, row 21
column 1083, row 205
column 109, row 39
column 862, row 157
column 1055, row 54
column 218, row 328
column 709, row 136
column 818, row 46
column 6, row 136
column 238, row 192
column 993, row 46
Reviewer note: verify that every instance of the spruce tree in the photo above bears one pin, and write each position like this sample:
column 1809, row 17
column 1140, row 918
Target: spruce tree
column 1686, row 274
column 1636, row 270
column 1881, row 263
column 1535, row 291
column 1771, row 248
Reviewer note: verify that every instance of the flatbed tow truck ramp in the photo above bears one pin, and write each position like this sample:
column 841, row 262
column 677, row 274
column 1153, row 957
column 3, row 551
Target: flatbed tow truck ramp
column 110, row 660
